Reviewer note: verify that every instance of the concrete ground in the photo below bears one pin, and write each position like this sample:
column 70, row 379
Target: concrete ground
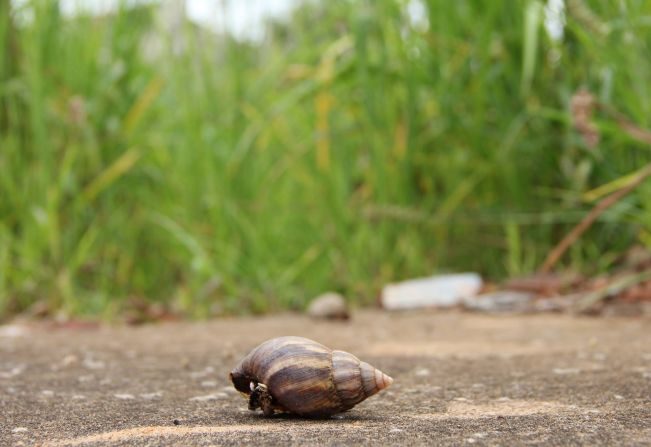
column 460, row 379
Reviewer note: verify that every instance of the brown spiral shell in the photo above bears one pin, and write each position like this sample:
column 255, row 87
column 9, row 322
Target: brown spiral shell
column 301, row 376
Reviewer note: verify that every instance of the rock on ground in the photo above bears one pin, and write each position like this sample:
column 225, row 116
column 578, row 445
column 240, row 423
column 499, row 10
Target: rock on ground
column 459, row 379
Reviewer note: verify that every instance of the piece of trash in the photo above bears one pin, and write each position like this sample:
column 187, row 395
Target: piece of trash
column 329, row 306
column 501, row 301
column 12, row 331
column 435, row 291
column 558, row 303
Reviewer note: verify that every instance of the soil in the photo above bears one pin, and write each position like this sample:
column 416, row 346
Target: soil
column 460, row 379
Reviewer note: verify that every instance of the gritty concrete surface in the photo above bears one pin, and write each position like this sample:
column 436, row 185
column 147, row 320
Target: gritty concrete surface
column 460, row 379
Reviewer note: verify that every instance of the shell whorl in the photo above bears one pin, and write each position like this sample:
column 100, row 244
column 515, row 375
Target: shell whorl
column 356, row 380
column 307, row 378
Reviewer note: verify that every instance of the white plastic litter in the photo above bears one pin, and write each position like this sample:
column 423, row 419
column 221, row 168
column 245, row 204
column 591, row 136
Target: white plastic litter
column 435, row 291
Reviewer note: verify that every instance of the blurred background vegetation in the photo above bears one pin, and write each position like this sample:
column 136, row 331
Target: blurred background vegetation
column 146, row 158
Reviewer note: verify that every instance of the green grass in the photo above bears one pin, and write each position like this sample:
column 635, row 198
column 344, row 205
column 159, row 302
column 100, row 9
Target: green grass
column 347, row 150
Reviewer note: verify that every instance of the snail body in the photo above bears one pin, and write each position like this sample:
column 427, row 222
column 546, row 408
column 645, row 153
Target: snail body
column 301, row 376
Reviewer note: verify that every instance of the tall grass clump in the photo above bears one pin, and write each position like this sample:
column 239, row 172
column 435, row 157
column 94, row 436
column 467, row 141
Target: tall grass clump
column 145, row 159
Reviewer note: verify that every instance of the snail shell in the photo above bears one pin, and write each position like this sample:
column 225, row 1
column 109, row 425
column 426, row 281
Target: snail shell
column 301, row 376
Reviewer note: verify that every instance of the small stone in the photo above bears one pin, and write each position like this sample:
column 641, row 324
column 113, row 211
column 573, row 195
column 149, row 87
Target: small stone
column 124, row 396
column 176, row 422
column 423, row 372
column 395, row 430
column 566, row 371
column 19, row 430
column 150, row 396
column 329, row 306
column 48, row 393
column 619, row 396
column 208, row 384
